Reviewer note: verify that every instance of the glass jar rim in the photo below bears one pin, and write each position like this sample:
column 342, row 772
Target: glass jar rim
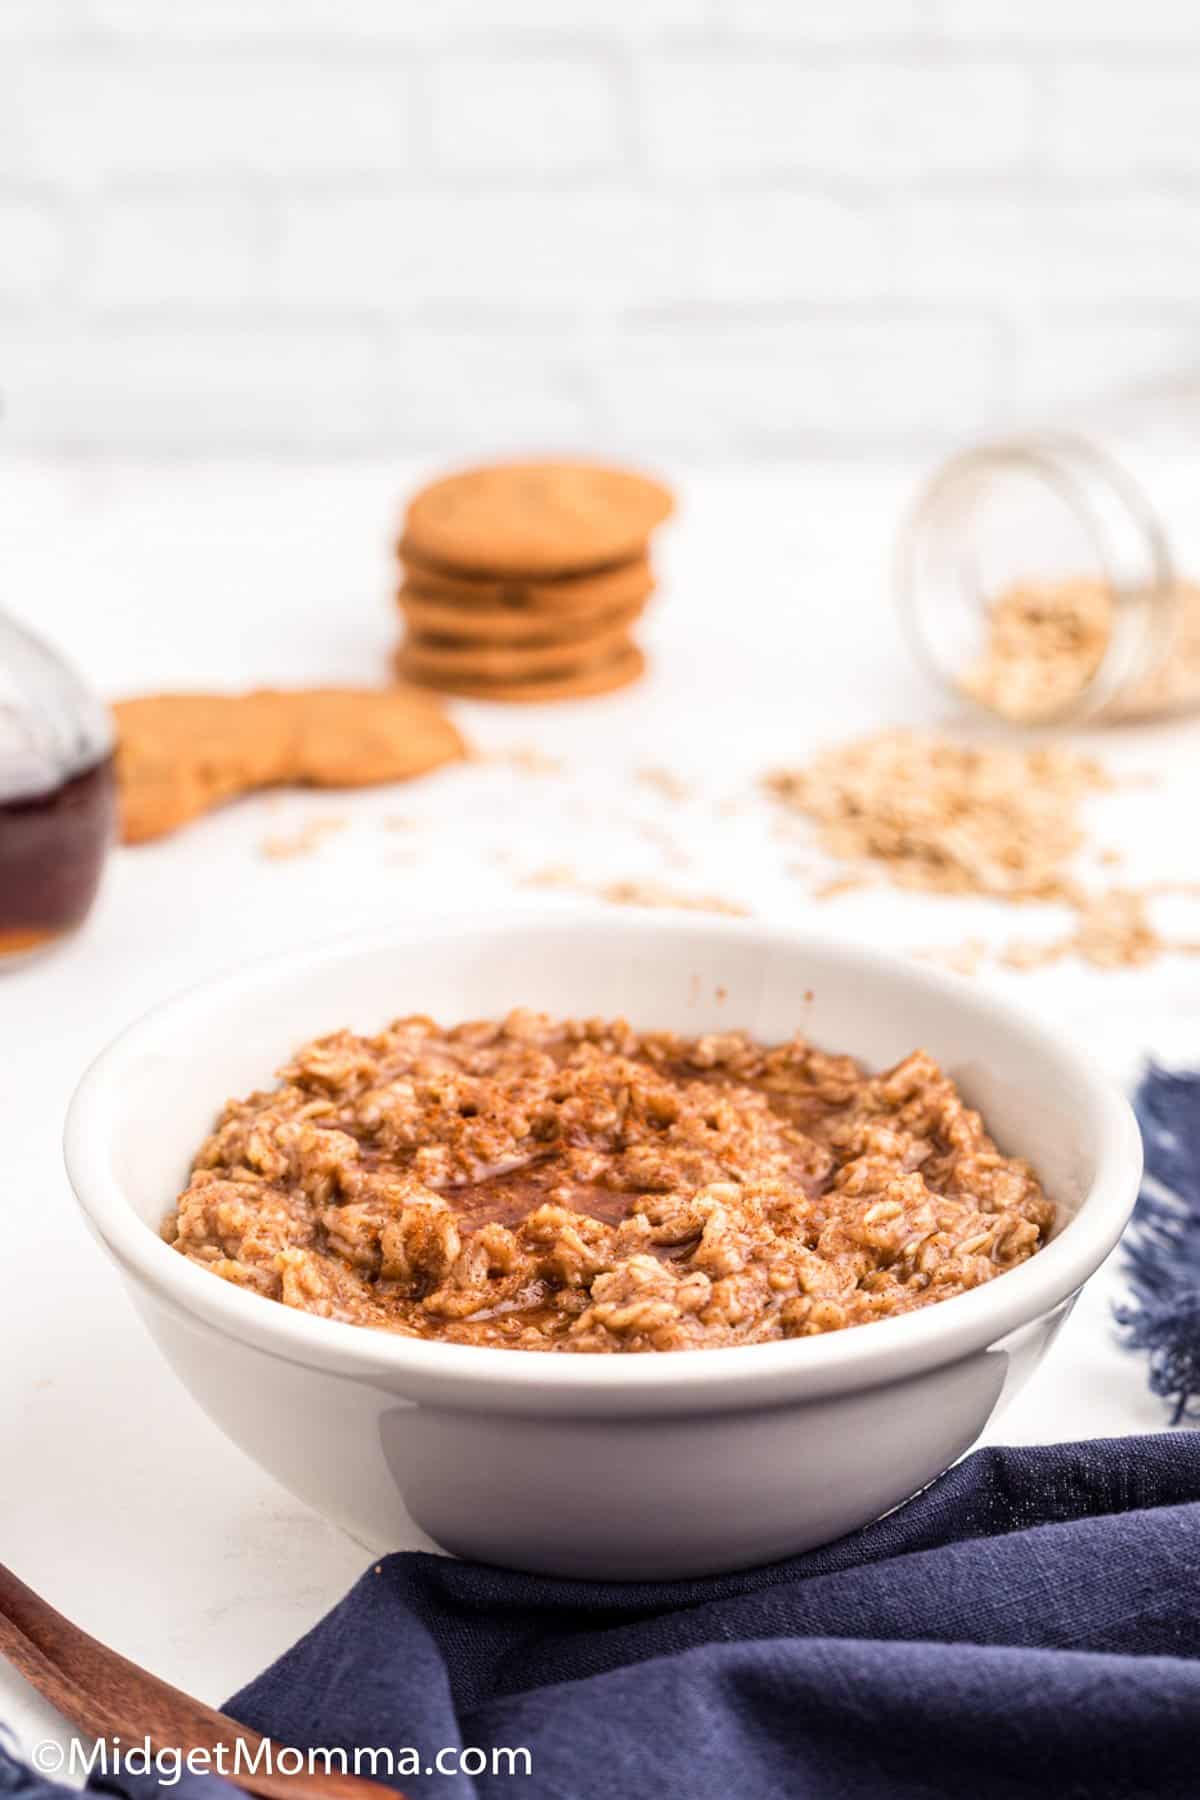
column 1131, row 550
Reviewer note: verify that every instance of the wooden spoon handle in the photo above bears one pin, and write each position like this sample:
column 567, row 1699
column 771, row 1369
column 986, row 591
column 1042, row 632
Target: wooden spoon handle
column 40, row 1672
column 108, row 1696
column 120, row 1688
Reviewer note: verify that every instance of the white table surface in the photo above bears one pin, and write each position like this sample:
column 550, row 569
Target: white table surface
column 773, row 633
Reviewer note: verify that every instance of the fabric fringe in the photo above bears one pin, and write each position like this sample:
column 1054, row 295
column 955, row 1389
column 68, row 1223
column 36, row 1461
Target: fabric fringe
column 1161, row 1249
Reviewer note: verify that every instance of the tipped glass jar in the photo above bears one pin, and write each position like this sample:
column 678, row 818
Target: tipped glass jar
column 1046, row 577
column 57, row 794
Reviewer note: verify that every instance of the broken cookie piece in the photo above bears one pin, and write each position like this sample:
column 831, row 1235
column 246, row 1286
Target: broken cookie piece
column 180, row 755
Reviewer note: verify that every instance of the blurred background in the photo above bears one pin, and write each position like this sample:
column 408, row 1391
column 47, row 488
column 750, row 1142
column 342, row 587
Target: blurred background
column 705, row 228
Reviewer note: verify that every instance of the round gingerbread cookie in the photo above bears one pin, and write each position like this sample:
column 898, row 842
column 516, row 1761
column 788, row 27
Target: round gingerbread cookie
column 179, row 755
column 598, row 592
column 507, row 662
column 591, row 679
column 434, row 617
column 535, row 518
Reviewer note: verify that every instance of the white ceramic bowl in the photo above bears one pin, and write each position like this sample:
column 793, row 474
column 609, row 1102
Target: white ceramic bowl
column 607, row 1466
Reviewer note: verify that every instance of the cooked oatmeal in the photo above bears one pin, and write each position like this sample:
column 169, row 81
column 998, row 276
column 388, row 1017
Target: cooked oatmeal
column 560, row 1185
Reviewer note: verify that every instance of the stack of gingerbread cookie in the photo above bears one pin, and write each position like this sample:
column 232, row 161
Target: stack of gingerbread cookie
column 522, row 581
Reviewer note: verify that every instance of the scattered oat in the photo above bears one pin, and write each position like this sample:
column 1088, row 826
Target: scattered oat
column 633, row 892
column 996, row 821
column 672, row 852
column 554, row 875
column 961, row 959
column 650, row 893
column 948, row 817
column 526, row 759
column 1112, row 930
column 839, row 884
column 1026, row 954
column 671, row 786
column 311, row 835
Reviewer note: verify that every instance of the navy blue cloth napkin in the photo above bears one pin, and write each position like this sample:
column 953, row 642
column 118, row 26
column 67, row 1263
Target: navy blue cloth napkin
column 1028, row 1626
column 1161, row 1251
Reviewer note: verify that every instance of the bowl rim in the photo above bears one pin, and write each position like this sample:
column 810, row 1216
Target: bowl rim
column 468, row 1375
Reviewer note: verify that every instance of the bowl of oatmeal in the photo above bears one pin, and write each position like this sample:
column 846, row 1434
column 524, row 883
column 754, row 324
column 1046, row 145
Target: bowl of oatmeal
column 614, row 1246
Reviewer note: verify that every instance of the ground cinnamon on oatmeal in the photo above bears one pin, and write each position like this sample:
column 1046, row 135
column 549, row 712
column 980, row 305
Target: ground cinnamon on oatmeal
column 581, row 1186
column 948, row 817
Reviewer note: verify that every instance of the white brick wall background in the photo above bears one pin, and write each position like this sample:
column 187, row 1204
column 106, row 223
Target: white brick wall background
column 714, row 228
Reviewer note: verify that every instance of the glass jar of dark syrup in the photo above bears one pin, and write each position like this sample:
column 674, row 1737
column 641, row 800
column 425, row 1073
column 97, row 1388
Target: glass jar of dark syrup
column 57, row 794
